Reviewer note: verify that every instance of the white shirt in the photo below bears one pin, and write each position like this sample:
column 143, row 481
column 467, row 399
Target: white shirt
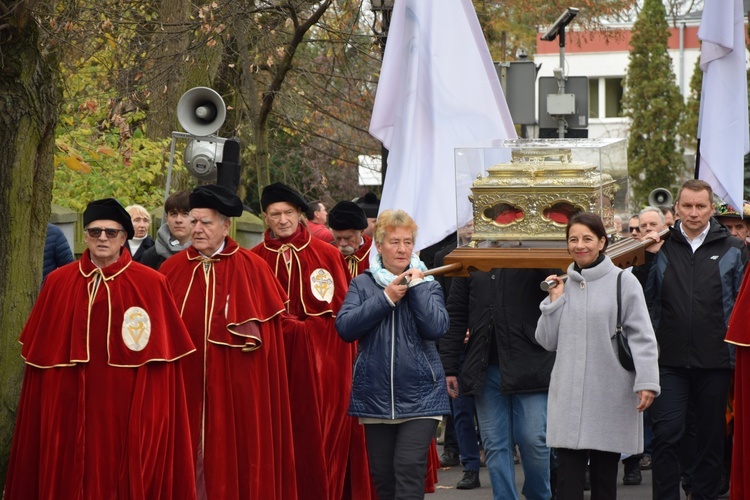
column 696, row 242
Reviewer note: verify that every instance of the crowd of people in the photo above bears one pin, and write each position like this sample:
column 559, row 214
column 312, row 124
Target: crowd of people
column 319, row 363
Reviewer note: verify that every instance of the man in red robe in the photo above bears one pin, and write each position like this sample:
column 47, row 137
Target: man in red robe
column 329, row 444
column 236, row 384
column 347, row 221
column 738, row 334
column 103, row 411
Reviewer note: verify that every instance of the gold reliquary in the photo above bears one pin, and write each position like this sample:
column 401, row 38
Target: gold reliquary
column 534, row 196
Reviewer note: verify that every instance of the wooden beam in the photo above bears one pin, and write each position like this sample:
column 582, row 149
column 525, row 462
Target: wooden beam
column 625, row 253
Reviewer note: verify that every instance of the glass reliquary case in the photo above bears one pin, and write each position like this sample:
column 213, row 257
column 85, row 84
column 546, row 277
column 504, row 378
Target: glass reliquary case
column 523, row 192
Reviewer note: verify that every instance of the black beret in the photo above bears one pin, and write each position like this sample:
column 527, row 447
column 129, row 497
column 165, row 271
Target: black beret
column 277, row 192
column 217, row 197
column 108, row 209
column 370, row 204
column 347, row 215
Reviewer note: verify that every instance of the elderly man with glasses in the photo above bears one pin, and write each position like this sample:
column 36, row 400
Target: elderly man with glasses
column 634, row 228
column 103, row 412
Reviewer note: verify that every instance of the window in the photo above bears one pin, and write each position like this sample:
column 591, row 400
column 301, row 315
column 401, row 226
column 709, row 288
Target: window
column 605, row 97
column 613, row 97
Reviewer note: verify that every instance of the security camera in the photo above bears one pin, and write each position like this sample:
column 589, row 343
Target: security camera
column 560, row 24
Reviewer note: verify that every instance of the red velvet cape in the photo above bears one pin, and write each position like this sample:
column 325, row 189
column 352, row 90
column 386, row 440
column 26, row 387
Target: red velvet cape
column 97, row 419
column 738, row 334
column 359, row 261
column 236, row 383
column 329, row 444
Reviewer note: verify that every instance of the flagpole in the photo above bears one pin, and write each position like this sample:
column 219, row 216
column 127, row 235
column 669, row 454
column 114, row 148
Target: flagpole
column 697, row 158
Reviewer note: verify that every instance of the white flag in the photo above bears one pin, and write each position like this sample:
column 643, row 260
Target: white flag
column 438, row 90
column 723, row 122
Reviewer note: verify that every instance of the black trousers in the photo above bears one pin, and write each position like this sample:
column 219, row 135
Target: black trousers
column 450, row 440
column 571, row 473
column 398, row 457
column 704, row 392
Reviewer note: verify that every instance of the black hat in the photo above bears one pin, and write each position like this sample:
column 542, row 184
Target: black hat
column 370, row 204
column 277, row 192
column 347, row 215
column 217, row 197
column 108, row 209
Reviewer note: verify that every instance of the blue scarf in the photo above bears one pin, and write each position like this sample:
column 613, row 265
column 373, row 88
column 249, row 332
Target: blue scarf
column 384, row 277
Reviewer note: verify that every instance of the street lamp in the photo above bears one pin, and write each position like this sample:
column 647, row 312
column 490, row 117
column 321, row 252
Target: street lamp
column 385, row 8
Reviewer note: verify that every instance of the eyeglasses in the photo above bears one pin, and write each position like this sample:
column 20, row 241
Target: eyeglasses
column 95, row 232
column 636, row 229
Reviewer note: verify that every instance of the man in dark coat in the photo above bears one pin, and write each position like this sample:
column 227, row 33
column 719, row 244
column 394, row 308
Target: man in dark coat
column 505, row 370
column 56, row 250
column 691, row 289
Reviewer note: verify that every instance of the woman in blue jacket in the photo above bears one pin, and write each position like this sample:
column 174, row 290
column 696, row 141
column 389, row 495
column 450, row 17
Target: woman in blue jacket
column 396, row 313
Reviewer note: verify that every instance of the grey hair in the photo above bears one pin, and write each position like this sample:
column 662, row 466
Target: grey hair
column 655, row 210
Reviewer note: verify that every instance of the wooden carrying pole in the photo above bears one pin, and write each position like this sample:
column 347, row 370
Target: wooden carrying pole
column 455, row 267
column 625, row 253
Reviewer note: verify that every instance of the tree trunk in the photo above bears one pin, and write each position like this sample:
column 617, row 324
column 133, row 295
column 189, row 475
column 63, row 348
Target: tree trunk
column 166, row 74
column 28, row 115
column 261, row 156
column 166, row 77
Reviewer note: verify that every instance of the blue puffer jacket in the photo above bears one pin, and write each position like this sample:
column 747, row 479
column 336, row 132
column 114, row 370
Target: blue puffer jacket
column 56, row 250
column 397, row 372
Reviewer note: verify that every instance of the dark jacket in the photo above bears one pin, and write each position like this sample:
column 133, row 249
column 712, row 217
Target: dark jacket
column 397, row 372
column 56, row 250
column 691, row 295
column 501, row 310
column 147, row 243
column 152, row 259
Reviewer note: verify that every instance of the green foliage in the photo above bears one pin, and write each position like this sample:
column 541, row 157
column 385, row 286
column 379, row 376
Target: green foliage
column 102, row 150
column 653, row 102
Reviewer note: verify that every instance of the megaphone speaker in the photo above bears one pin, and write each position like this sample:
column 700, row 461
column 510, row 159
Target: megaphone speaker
column 201, row 111
column 201, row 158
column 660, row 197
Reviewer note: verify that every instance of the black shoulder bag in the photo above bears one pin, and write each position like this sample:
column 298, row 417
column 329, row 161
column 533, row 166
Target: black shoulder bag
column 623, row 349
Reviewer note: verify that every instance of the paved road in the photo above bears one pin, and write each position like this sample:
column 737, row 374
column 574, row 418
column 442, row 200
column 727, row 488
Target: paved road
column 448, row 477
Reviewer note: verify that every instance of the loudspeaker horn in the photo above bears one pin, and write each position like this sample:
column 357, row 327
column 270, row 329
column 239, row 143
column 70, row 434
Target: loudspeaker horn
column 201, row 158
column 660, row 197
column 201, row 111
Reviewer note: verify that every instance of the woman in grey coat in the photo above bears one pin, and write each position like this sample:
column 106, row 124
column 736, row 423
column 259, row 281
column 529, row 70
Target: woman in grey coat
column 595, row 406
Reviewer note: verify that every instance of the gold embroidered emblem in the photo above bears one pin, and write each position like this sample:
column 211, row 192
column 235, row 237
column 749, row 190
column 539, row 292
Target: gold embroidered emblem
column 136, row 328
column 322, row 285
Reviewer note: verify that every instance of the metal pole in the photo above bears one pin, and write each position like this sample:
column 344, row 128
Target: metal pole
column 169, row 170
column 386, row 13
column 561, row 83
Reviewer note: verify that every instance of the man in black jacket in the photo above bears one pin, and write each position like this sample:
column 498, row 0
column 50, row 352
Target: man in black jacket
column 505, row 370
column 692, row 285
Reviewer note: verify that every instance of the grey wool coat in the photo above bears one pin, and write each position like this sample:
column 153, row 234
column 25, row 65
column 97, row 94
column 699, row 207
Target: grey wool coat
column 592, row 398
